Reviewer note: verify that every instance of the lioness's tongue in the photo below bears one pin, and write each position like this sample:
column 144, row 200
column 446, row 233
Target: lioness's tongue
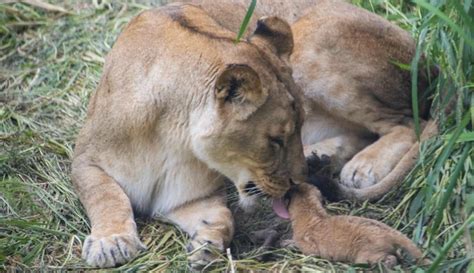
column 280, row 209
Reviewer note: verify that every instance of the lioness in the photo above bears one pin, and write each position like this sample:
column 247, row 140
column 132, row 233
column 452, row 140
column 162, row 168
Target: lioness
column 178, row 108
column 357, row 99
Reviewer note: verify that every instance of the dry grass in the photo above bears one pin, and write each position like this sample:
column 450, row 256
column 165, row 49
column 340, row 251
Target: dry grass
column 51, row 62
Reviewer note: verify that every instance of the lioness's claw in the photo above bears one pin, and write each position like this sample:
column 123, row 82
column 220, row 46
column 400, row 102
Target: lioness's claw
column 110, row 251
column 203, row 252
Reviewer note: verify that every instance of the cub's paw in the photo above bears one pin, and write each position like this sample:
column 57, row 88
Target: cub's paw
column 319, row 165
column 360, row 172
column 390, row 261
column 111, row 251
column 289, row 243
column 204, row 250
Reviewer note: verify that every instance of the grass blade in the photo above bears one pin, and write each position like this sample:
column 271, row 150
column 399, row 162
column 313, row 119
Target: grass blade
column 442, row 254
column 414, row 83
column 449, row 191
column 445, row 154
column 446, row 19
column 245, row 22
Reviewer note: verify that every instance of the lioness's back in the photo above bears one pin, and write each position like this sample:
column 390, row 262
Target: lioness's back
column 153, row 61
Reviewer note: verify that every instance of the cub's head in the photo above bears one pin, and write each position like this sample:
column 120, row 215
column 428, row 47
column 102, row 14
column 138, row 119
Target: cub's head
column 303, row 197
column 251, row 132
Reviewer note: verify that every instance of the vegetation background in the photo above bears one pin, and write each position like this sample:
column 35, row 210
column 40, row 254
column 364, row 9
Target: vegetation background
column 51, row 58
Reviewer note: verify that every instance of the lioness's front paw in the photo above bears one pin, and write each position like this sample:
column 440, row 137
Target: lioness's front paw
column 110, row 251
column 204, row 249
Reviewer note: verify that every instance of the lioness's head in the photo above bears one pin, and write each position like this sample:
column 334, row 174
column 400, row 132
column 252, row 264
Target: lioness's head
column 251, row 134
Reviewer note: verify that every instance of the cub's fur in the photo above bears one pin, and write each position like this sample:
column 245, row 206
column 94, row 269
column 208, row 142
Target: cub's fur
column 357, row 100
column 179, row 107
column 343, row 238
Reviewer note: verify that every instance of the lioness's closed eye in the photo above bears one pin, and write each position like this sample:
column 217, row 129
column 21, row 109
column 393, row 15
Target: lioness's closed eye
column 179, row 107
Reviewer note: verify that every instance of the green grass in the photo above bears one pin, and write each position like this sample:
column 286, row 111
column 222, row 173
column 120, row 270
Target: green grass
column 50, row 64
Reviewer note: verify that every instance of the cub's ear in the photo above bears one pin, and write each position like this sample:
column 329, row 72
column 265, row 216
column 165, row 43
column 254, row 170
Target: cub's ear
column 238, row 91
column 276, row 34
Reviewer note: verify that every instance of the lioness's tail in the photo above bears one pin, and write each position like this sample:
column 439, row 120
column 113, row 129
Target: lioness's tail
column 337, row 191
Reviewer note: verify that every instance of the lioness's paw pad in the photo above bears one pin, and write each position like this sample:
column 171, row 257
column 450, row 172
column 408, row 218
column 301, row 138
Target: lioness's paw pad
column 202, row 252
column 358, row 173
column 112, row 250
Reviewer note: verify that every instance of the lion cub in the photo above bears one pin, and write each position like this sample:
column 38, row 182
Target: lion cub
column 343, row 238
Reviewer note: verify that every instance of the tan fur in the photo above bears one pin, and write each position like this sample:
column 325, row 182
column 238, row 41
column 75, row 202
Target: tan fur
column 343, row 238
column 179, row 107
column 344, row 59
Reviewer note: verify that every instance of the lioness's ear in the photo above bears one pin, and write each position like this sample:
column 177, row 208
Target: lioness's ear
column 275, row 33
column 238, row 91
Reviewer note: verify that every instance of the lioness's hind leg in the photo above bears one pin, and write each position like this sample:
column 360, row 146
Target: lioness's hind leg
column 373, row 163
column 113, row 239
column 209, row 223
